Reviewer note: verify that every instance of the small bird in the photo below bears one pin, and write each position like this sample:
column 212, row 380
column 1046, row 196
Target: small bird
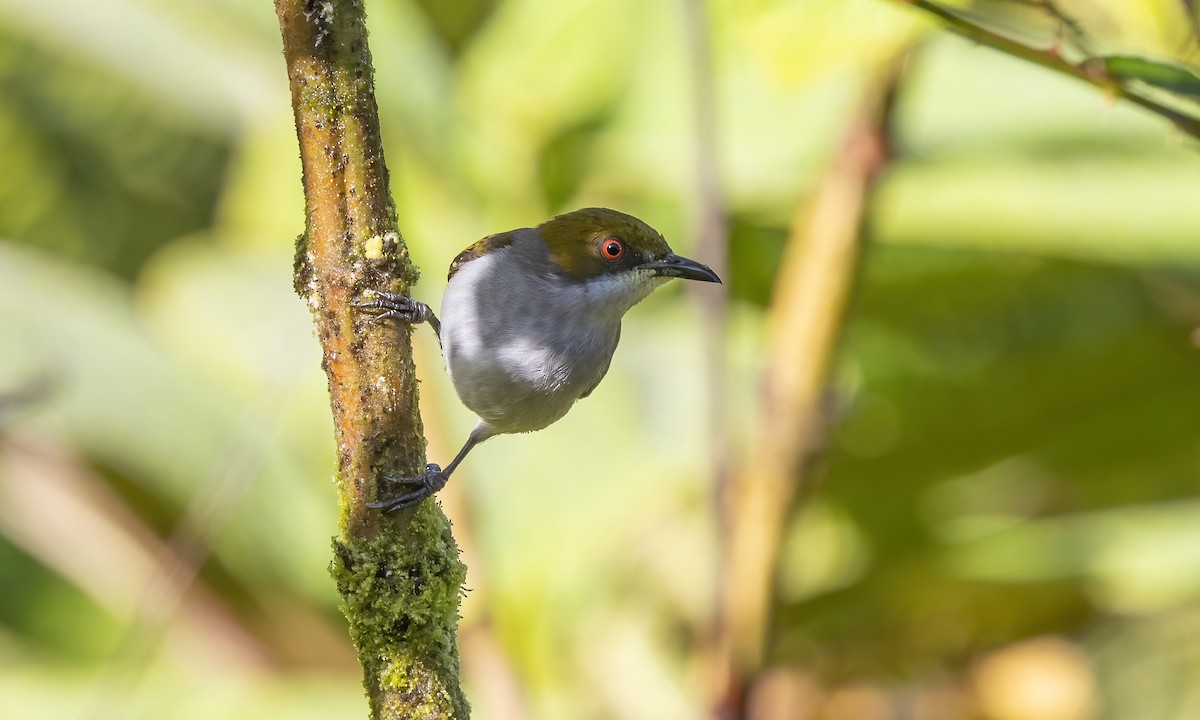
column 531, row 318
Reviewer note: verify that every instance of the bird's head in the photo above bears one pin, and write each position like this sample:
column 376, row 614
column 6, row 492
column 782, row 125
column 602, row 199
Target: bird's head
column 616, row 249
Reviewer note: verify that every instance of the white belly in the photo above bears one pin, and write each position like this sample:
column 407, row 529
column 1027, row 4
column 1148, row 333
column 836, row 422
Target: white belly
column 509, row 352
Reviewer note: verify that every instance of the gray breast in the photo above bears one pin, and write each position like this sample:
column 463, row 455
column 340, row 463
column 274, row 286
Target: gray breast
column 521, row 345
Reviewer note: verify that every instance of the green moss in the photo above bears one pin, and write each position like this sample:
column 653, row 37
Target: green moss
column 301, row 267
column 400, row 593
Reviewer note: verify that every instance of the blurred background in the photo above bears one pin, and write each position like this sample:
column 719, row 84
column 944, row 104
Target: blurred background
column 1003, row 522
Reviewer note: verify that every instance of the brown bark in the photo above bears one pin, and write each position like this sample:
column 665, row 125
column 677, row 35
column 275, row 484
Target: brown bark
column 399, row 575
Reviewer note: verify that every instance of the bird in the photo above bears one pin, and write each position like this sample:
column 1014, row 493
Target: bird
column 530, row 320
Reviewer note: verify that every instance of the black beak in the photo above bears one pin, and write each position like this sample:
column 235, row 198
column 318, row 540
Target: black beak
column 673, row 265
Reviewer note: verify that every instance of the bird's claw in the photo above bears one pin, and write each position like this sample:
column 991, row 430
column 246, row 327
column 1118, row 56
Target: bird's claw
column 398, row 307
column 426, row 485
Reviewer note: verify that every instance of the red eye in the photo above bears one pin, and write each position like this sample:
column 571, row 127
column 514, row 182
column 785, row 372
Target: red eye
column 612, row 249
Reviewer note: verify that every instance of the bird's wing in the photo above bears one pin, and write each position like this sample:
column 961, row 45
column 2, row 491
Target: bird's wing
column 603, row 368
column 481, row 248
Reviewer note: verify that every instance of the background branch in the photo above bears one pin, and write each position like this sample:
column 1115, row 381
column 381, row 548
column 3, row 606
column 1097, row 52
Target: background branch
column 812, row 289
column 399, row 575
column 710, row 224
column 1095, row 71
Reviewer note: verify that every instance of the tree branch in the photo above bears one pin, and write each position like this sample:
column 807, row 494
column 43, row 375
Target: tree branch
column 1091, row 70
column 399, row 575
column 812, row 290
column 710, row 224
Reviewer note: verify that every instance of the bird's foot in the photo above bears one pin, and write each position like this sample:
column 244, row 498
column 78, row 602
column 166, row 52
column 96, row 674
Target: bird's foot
column 395, row 307
column 422, row 487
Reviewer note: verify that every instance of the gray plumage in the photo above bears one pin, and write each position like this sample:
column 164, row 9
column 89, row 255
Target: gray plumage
column 531, row 318
column 522, row 342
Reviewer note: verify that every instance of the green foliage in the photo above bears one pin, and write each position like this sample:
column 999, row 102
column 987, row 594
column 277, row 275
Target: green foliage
column 759, row 251
column 97, row 172
column 1005, row 406
column 457, row 23
column 1168, row 76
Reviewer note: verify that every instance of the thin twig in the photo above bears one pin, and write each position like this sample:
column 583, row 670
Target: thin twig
column 1066, row 24
column 1091, row 71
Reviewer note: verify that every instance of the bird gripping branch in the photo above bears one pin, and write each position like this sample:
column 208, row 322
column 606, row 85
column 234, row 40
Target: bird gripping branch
column 530, row 321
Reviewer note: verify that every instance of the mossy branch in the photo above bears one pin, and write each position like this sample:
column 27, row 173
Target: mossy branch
column 399, row 575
